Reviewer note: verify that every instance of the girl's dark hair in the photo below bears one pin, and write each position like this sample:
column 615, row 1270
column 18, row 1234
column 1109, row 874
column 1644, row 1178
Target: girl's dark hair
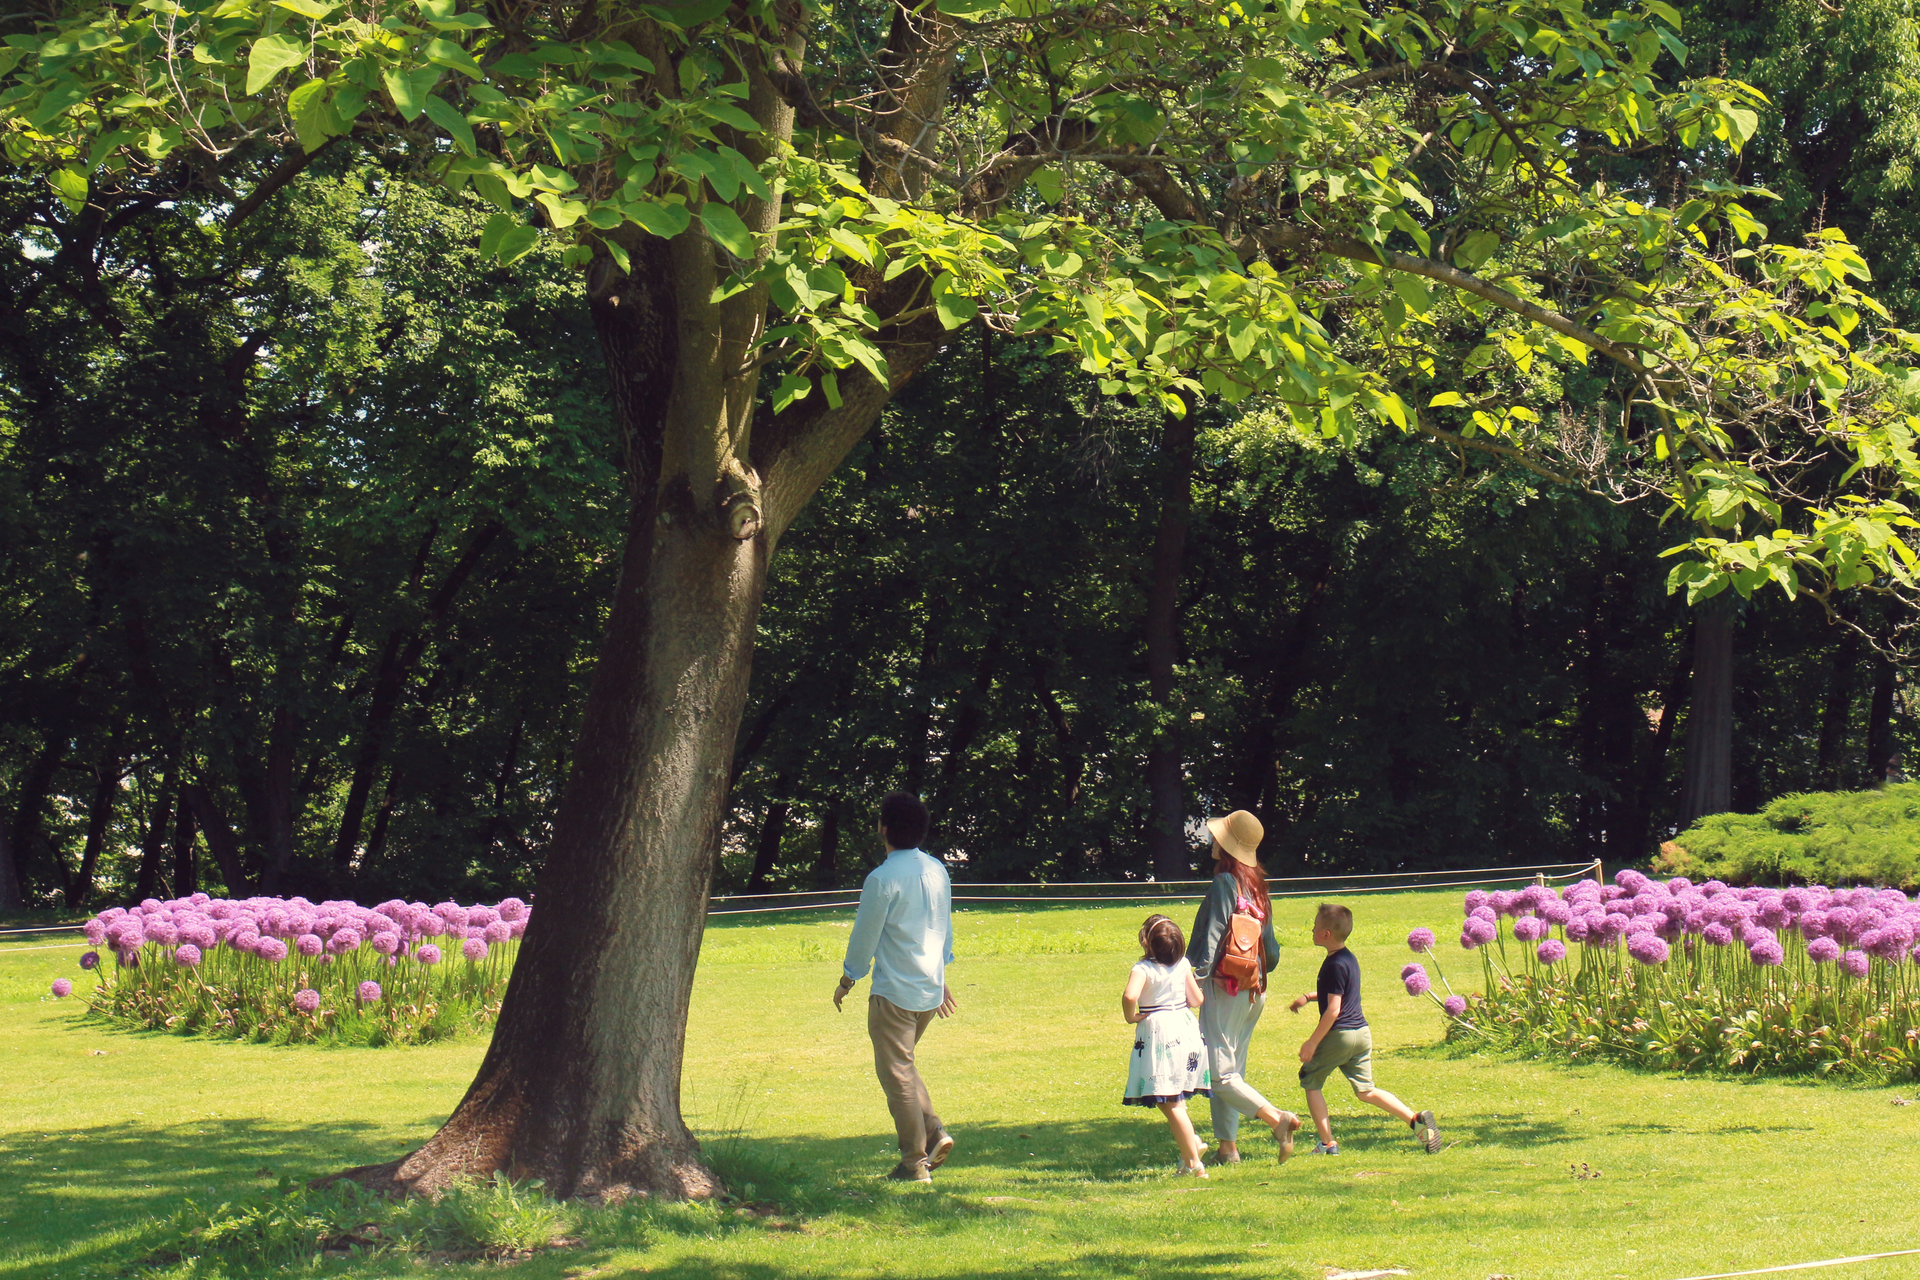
column 1251, row 879
column 1165, row 942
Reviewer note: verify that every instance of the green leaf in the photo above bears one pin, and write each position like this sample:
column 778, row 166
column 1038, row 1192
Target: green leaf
column 448, row 117
column 446, row 53
column 70, row 184
column 564, row 213
column 663, row 220
column 1476, row 249
column 1048, row 184
column 953, row 308
column 791, row 388
column 1241, row 333
column 830, row 388
column 269, row 57
column 1413, row 292
column 496, row 230
column 724, row 225
column 409, row 90
column 1446, row 398
column 306, row 8
column 517, row 244
column 311, row 119
column 728, row 114
column 604, row 217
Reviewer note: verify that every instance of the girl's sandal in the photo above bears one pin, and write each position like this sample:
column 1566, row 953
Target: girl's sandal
column 1191, row 1171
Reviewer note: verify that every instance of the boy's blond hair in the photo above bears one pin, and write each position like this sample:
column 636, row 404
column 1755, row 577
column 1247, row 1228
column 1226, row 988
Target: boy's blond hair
column 1335, row 919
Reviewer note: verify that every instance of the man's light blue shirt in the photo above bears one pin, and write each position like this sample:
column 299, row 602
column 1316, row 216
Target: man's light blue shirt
column 904, row 929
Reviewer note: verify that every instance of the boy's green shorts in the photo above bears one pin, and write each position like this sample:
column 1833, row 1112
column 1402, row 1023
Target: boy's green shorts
column 1349, row 1051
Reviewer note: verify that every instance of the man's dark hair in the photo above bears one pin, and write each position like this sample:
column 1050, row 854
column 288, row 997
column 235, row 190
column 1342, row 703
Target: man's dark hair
column 904, row 818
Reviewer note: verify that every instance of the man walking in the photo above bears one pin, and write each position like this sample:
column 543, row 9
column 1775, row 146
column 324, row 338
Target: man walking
column 904, row 930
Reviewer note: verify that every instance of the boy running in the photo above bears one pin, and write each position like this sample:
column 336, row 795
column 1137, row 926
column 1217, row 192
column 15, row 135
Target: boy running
column 1342, row 1039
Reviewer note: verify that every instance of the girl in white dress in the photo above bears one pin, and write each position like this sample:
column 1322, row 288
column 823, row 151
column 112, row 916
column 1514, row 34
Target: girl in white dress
column 1169, row 1060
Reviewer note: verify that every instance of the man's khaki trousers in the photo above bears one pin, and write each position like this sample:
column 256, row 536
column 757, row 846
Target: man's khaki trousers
column 894, row 1032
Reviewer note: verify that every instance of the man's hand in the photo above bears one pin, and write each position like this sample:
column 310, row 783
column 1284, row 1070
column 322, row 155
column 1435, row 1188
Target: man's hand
column 1301, row 1002
column 840, row 993
column 947, row 1006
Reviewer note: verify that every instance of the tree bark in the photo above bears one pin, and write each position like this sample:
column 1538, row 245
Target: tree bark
column 186, row 867
column 772, row 827
column 1837, row 712
column 1706, row 786
column 30, row 812
column 153, row 842
column 1880, row 723
column 106, row 789
column 11, row 897
column 221, row 841
column 1167, row 846
column 398, row 658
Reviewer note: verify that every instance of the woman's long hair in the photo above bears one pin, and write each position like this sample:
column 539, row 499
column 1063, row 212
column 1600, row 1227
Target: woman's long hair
column 1252, row 880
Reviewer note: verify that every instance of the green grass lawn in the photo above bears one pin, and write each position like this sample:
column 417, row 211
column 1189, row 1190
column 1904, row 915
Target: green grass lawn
column 104, row 1132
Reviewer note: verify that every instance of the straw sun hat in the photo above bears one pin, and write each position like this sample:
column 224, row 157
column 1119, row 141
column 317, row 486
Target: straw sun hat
column 1239, row 833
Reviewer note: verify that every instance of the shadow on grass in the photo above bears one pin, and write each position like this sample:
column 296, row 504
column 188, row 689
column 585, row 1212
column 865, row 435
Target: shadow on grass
column 74, row 1193
column 1083, row 1266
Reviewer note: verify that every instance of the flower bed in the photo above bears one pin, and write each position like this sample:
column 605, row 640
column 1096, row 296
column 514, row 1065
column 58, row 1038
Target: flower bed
column 1692, row 977
column 294, row 971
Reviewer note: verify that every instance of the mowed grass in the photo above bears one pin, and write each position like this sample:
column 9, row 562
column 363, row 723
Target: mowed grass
column 103, row 1132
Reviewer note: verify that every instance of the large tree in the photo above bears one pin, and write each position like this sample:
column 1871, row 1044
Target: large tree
column 1176, row 191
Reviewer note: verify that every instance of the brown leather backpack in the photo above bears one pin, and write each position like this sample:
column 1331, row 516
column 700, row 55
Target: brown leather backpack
column 1240, row 957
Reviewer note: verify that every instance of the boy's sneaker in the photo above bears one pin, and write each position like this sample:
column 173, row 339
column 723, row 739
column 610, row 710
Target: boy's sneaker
column 911, row 1171
column 1427, row 1130
column 939, row 1149
column 1326, row 1148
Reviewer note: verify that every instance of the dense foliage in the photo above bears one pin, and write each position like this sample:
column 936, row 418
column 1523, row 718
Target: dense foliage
column 1845, row 837
column 1709, row 978
column 307, row 530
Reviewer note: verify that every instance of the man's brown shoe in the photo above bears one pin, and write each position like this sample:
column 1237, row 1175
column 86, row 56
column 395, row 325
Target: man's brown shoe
column 939, row 1149
column 911, row 1171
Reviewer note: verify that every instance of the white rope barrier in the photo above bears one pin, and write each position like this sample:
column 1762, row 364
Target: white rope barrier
column 1807, row 1266
column 55, row 928
column 1584, row 867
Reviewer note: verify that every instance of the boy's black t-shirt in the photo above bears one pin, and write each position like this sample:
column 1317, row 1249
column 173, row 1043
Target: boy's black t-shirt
column 1340, row 975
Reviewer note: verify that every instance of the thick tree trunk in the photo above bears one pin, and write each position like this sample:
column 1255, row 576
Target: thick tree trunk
column 1253, row 782
column 1706, row 786
column 30, row 811
column 919, row 726
column 1167, row 846
column 153, row 841
column 1880, row 722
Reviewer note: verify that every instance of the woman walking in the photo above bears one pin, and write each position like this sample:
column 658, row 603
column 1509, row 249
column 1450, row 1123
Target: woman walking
column 1233, row 1006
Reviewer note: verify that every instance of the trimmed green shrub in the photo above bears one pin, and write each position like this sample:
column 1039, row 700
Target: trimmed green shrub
column 1813, row 837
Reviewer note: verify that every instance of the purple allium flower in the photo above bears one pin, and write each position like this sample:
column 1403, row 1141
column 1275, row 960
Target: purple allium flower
column 481, row 917
column 91, row 960
column 1503, row 901
column 474, row 949
column 1420, row 940
column 1841, row 922
column 62, row 988
column 1679, row 884
column 453, row 913
column 343, row 940
column 1767, row 951
column 1454, row 1005
column 186, row 955
column 1717, row 934
column 270, row 949
column 306, row 1000
column 1647, row 948
column 518, row 929
column 1529, row 929
column 1823, row 950
column 1630, row 880
column 386, row 943
column 512, row 909
column 1552, row 951
column 427, row 953
column 1418, row 983
column 369, row 992
column 1481, row 930
column 1476, row 898
column 96, row 931
column 309, row 944
column 1556, row 912
column 1578, row 929
column 497, row 932
column 1406, row 969
column 1644, row 924
column 1855, row 963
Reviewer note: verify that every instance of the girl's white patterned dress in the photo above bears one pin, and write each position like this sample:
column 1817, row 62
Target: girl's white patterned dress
column 1169, row 1058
